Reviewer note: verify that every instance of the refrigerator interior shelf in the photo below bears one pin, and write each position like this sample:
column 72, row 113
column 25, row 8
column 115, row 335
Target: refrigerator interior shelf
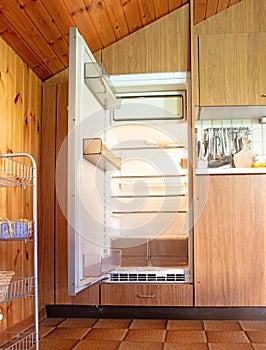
column 155, row 196
column 100, row 85
column 98, row 154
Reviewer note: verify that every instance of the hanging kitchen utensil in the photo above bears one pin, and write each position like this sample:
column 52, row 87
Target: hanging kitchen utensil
column 243, row 159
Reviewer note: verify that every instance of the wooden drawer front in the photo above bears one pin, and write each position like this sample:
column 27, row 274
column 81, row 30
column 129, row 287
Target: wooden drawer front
column 147, row 294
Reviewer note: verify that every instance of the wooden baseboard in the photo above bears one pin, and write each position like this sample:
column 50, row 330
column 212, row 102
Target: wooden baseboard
column 180, row 313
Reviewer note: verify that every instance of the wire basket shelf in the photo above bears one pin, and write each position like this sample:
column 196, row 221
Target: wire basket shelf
column 19, row 287
column 21, row 341
column 15, row 173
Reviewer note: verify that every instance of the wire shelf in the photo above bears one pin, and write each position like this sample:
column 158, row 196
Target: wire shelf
column 22, row 341
column 20, row 169
column 20, row 287
column 15, row 173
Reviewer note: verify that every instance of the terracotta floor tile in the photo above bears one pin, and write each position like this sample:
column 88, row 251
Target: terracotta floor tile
column 145, row 335
column 227, row 337
column 257, row 336
column 57, row 344
column 186, row 337
column 43, row 331
column 178, row 346
column 253, row 325
column 96, row 345
column 128, row 345
column 68, row 333
column 148, row 324
column 222, row 326
column 259, row 346
column 230, row 346
column 185, row 325
column 53, row 322
column 112, row 323
column 78, row 322
column 106, row 334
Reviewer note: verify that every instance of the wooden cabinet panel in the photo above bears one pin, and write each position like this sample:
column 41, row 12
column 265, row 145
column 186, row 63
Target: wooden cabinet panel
column 147, row 294
column 229, row 241
column 163, row 46
column 232, row 69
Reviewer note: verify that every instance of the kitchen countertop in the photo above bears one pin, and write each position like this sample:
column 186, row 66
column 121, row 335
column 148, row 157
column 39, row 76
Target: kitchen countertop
column 229, row 171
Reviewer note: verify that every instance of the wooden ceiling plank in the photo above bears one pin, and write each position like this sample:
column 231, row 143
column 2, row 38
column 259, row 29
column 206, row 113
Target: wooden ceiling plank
column 222, row 5
column 212, row 7
column 160, row 8
column 147, row 11
column 117, row 17
column 60, row 16
column 101, row 20
column 82, row 21
column 200, row 7
column 29, row 34
column 43, row 21
column 174, row 4
column 132, row 13
column 23, row 51
column 232, row 2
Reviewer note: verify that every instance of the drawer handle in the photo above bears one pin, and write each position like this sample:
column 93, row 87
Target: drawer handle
column 263, row 95
column 146, row 295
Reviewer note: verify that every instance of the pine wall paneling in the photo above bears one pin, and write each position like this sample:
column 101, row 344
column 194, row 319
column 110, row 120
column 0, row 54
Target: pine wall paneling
column 20, row 120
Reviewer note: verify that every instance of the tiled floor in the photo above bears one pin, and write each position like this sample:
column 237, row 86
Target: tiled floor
column 138, row 334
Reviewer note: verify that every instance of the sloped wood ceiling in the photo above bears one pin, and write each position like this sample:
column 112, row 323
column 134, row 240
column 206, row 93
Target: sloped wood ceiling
column 204, row 9
column 38, row 29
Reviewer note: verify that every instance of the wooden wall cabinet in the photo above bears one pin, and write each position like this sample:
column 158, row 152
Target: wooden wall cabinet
column 162, row 46
column 147, row 294
column 229, row 240
column 232, row 69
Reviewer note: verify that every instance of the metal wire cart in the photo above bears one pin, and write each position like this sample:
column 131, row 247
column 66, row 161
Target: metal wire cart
column 18, row 170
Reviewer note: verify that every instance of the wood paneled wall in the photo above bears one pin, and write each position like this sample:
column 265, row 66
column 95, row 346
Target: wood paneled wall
column 20, row 123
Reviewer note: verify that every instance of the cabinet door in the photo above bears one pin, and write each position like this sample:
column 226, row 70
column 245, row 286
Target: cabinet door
column 229, row 241
column 163, row 46
column 232, row 69
column 147, row 294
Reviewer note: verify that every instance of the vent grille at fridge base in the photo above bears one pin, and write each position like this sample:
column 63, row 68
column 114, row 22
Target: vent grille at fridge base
column 147, row 278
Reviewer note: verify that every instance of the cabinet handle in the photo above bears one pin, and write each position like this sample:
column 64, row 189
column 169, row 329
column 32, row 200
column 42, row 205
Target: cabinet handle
column 146, row 295
column 263, row 95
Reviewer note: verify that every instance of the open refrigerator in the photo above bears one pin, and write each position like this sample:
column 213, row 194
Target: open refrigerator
column 129, row 206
